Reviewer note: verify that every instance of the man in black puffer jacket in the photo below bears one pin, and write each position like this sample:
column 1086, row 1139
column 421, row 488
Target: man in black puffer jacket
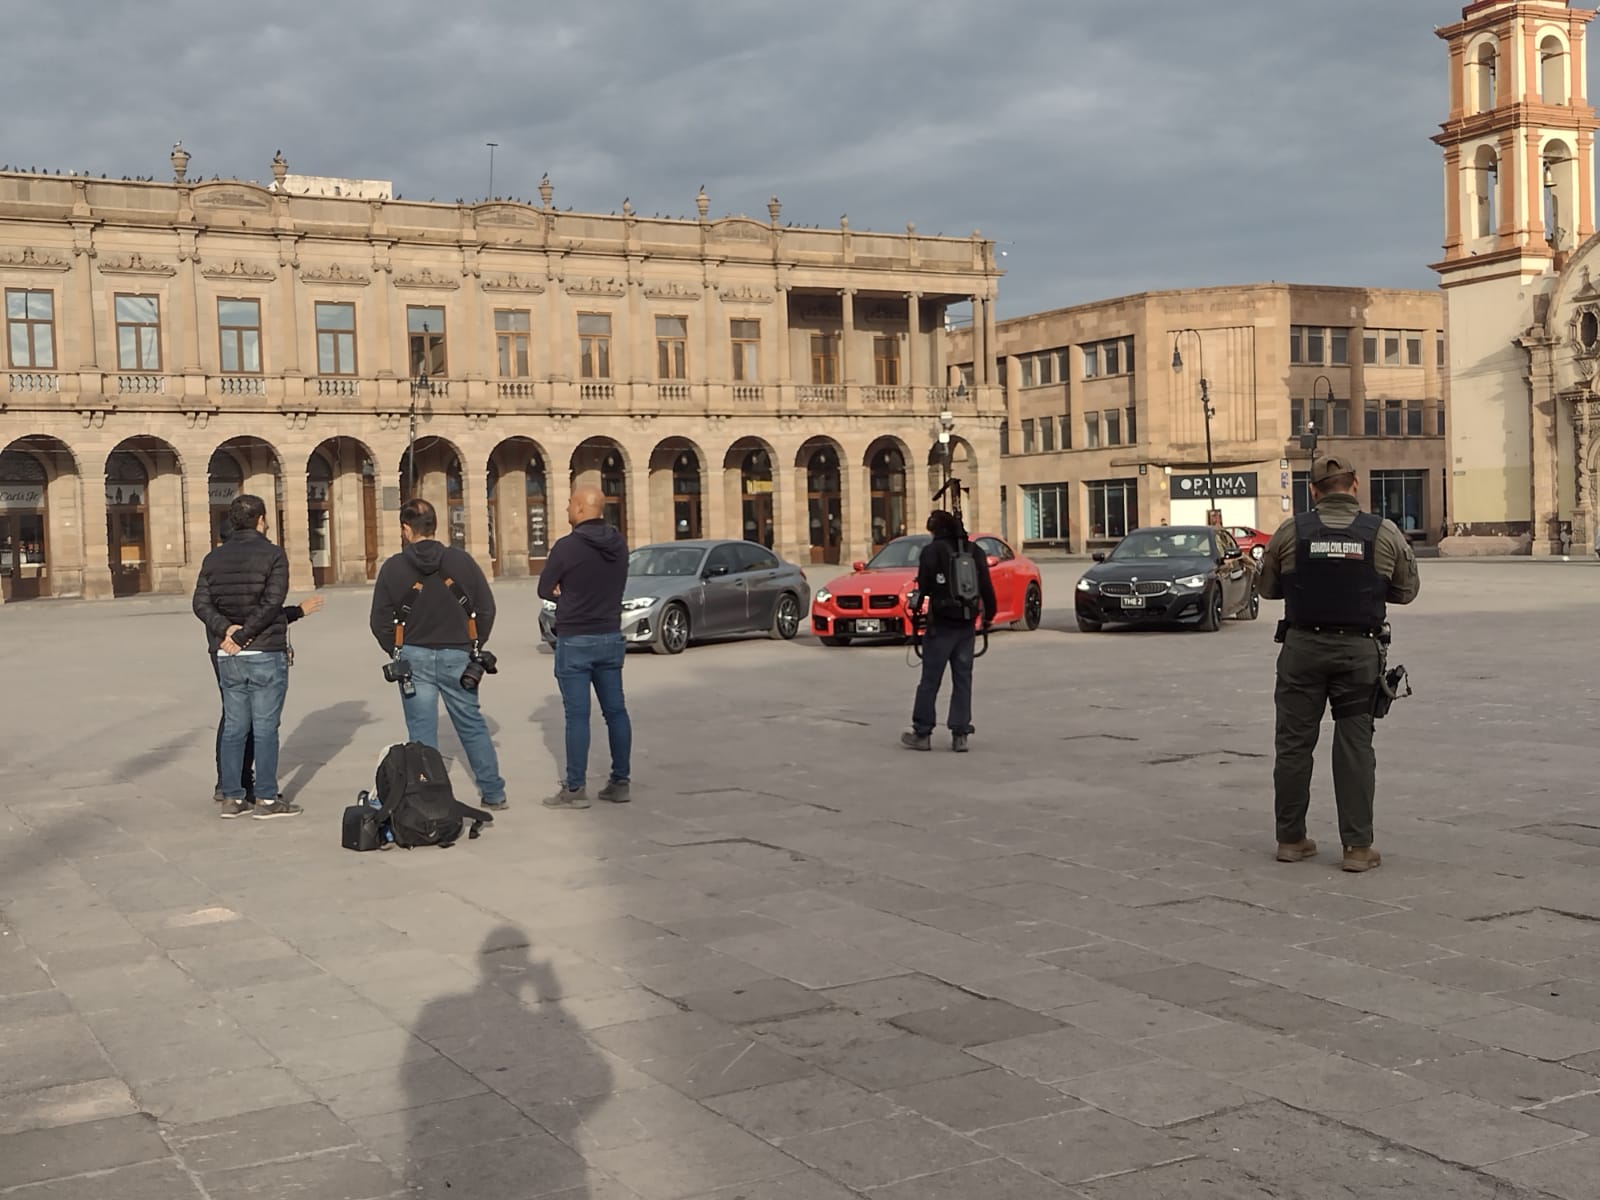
column 425, row 585
column 239, row 596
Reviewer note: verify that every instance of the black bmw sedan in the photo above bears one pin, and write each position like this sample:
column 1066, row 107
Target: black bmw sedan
column 1183, row 574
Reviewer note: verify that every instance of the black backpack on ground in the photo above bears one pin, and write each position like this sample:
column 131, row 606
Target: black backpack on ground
column 416, row 803
column 962, row 595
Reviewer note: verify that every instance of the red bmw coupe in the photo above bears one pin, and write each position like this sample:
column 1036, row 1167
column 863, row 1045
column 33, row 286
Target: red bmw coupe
column 869, row 604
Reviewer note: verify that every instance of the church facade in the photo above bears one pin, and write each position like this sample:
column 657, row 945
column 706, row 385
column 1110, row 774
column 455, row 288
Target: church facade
column 1521, row 276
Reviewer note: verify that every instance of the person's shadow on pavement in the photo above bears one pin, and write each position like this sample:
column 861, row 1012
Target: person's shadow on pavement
column 545, row 1077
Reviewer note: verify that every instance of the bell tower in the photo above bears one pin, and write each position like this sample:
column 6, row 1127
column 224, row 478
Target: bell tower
column 1519, row 199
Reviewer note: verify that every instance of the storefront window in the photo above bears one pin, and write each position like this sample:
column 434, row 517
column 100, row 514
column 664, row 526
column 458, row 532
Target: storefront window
column 1044, row 512
column 1399, row 496
column 1113, row 508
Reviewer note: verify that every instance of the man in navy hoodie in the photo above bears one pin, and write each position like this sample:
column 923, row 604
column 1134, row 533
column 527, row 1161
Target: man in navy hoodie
column 585, row 574
column 436, row 643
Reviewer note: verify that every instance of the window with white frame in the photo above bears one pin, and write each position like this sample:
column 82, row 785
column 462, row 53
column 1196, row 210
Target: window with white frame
column 1044, row 512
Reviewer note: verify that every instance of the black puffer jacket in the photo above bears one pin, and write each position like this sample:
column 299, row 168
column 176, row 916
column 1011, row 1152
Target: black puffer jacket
column 243, row 582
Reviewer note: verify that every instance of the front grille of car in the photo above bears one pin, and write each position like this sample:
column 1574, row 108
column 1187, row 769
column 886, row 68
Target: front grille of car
column 883, row 601
column 847, row 601
column 1153, row 587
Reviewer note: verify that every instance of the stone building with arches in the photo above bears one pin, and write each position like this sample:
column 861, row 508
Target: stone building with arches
column 170, row 344
column 1521, row 280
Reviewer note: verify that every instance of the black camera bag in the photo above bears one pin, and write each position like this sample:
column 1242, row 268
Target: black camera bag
column 363, row 827
column 418, row 804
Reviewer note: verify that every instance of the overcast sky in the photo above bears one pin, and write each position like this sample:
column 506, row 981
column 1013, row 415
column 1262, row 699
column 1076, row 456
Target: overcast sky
column 1109, row 146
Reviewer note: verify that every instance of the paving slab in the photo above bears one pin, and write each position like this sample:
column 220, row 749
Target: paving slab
column 1077, row 986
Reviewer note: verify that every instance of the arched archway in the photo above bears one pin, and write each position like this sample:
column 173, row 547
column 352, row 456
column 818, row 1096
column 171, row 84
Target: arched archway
column 749, row 475
column 1553, row 64
column 677, row 486
column 819, row 465
column 1484, row 193
column 1483, row 75
column 886, row 488
column 41, row 541
column 439, row 481
column 144, row 516
column 600, row 462
column 244, row 464
column 519, row 519
column 342, row 512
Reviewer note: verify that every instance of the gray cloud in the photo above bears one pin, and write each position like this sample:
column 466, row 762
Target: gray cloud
column 1110, row 146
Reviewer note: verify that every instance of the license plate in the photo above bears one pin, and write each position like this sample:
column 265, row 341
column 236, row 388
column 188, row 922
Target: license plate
column 869, row 626
column 1133, row 602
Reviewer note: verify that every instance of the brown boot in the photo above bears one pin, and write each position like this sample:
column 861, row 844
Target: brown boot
column 1295, row 851
column 1361, row 858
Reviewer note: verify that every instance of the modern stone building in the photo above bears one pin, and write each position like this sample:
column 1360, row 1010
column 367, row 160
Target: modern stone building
column 1521, row 279
column 171, row 343
column 1103, row 434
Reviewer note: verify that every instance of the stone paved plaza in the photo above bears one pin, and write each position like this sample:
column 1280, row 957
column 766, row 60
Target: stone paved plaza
column 805, row 964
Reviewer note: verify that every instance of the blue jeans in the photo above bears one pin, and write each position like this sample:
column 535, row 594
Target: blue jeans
column 248, row 778
column 436, row 674
column 253, row 690
column 593, row 660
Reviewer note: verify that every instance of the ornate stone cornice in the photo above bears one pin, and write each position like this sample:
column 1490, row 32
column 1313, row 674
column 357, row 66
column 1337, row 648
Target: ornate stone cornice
column 30, row 259
column 425, row 278
column 334, row 273
column 240, row 270
column 745, row 294
column 595, row 286
column 671, row 290
column 233, row 197
column 512, row 283
column 135, row 264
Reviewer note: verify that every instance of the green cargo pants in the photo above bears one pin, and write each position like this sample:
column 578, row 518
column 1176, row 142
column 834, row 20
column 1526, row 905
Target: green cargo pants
column 1314, row 671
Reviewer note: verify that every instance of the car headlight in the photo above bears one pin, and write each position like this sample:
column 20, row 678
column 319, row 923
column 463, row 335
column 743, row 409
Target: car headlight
column 1192, row 583
column 823, row 596
column 1087, row 585
column 549, row 606
column 637, row 602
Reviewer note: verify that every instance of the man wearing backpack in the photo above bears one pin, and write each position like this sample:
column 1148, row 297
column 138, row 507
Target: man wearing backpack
column 953, row 577
column 429, row 600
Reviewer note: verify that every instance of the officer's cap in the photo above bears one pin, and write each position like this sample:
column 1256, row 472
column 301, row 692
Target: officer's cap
column 1335, row 464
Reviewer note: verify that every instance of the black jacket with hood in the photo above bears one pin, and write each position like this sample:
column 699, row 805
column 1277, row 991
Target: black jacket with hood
column 437, row 620
column 243, row 582
column 590, row 566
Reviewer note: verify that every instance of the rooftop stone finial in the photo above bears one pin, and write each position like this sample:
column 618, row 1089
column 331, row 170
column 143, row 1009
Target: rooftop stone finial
column 180, row 162
column 774, row 209
column 703, row 202
column 546, row 192
column 280, row 168
column 627, row 207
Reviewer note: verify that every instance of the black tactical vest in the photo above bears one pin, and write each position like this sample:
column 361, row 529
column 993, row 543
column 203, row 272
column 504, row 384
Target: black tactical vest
column 1335, row 582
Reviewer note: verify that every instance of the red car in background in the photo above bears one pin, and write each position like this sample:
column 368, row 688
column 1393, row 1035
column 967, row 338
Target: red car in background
column 1252, row 541
column 869, row 604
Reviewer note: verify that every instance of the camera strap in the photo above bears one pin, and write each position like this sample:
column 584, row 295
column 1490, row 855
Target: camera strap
column 403, row 613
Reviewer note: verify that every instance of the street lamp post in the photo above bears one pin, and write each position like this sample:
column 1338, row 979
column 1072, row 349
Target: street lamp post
column 1213, row 514
column 419, row 387
column 1308, row 440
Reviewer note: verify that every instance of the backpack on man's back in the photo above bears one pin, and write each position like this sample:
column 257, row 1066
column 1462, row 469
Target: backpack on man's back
column 962, row 593
column 415, row 804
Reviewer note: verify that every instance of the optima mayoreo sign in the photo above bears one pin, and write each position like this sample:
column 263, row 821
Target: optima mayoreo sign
column 1231, row 485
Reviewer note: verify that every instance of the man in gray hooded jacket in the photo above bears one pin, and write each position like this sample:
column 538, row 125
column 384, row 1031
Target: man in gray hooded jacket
column 585, row 574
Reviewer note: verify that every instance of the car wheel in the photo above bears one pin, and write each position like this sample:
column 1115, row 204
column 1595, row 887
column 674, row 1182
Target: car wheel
column 834, row 641
column 1258, row 552
column 1252, row 606
column 1032, row 607
column 1087, row 626
column 673, row 636
column 1211, row 618
column 786, row 620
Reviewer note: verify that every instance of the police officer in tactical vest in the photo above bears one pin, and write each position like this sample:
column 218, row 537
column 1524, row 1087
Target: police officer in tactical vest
column 1336, row 569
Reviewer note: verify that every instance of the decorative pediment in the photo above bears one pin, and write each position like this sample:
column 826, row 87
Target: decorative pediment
column 30, row 259
column 505, row 214
column 232, row 197
column 135, row 264
column 425, row 278
column 239, row 270
column 512, row 283
column 595, row 286
column 740, row 229
column 745, row 294
column 334, row 273
column 671, row 290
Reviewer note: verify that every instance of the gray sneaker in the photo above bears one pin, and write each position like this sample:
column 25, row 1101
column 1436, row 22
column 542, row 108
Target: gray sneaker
column 266, row 810
column 235, row 808
column 916, row 741
column 568, row 798
column 615, row 792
